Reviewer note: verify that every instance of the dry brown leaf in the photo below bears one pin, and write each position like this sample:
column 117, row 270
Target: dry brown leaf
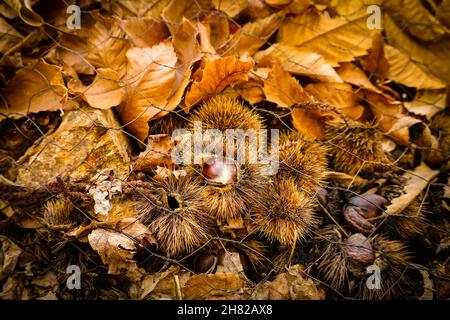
column 206, row 286
column 283, row 89
column 427, row 102
column 298, row 61
column 337, row 39
column 8, row 36
column 117, row 251
column 310, row 123
column 443, row 13
column 133, row 8
column 418, row 180
column 218, row 28
column 339, row 95
column 103, row 93
column 405, row 71
column 434, row 58
column 251, row 90
column 375, row 63
column 217, row 75
column 25, row 12
column 350, row 73
column 33, row 89
column 144, row 32
column 157, row 153
column 150, row 77
column 415, row 19
column 257, row 9
column 107, row 46
column 290, row 285
column 174, row 12
column 231, row 7
column 253, row 35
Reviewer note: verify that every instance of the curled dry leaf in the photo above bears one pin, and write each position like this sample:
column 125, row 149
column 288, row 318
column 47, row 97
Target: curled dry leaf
column 144, row 32
column 231, row 7
column 253, row 35
column 418, row 180
column 375, row 63
column 8, row 36
column 427, row 102
column 290, row 285
column 350, row 73
column 25, row 12
column 283, row 89
column 157, row 152
column 36, row 88
column 103, row 93
column 117, row 251
column 207, row 286
column 217, row 75
column 310, row 122
column 339, row 95
column 337, row 39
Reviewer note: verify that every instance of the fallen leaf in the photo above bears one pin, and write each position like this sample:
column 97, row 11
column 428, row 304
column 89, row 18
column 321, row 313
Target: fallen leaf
column 8, row 36
column 309, row 122
column 418, row 180
column 150, row 76
column 339, row 95
column 103, row 93
column 283, row 89
column 217, row 75
column 231, row 7
column 218, row 29
column 144, row 32
column 33, row 89
column 427, row 103
column 405, row 71
column 298, row 61
column 157, row 152
column 133, row 8
column 9, row 256
column 253, row 35
column 25, row 12
column 207, row 286
column 350, row 73
column 338, row 39
column 117, row 251
column 375, row 63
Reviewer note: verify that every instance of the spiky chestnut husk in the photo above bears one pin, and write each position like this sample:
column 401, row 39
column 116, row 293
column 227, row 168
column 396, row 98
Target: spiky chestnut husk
column 285, row 213
column 59, row 214
column 222, row 112
column 167, row 124
column 179, row 222
column 408, row 224
column 344, row 260
column 302, row 159
column 355, row 147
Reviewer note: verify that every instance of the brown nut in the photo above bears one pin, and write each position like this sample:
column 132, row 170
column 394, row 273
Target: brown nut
column 359, row 250
column 220, row 170
column 357, row 222
column 369, row 203
column 205, row 262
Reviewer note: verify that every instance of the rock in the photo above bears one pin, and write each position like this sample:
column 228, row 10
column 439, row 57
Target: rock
column 87, row 142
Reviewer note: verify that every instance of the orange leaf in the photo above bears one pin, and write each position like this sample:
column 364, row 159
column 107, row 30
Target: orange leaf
column 217, row 75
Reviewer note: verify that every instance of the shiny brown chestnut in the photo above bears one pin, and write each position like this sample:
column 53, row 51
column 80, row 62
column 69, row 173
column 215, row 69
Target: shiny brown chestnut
column 359, row 249
column 220, row 170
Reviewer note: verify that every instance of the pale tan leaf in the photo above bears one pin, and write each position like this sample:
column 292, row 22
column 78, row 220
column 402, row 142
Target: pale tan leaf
column 418, row 180
column 415, row 19
column 8, row 36
column 298, row 61
column 338, row 39
column 150, row 76
column 206, row 286
column 405, row 71
column 103, row 93
column 427, row 102
column 25, row 12
column 144, row 32
column 231, row 7
column 253, row 35
column 283, row 89
column 257, row 9
column 33, row 89
column 217, row 75
column 117, row 251
column 340, row 95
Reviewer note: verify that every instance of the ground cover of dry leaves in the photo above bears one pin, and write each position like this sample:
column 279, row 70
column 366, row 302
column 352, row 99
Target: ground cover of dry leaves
column 86, row 116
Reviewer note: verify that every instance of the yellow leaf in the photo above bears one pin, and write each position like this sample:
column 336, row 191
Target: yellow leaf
column 217, row 75
column 350, row 73
column 337, row 39
column 283, row 89
column 103, row 93
column 405, row 71
column 231, row 7
column 34, row 89
column 150, row 76
column 298, row 61
column 253, row 35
